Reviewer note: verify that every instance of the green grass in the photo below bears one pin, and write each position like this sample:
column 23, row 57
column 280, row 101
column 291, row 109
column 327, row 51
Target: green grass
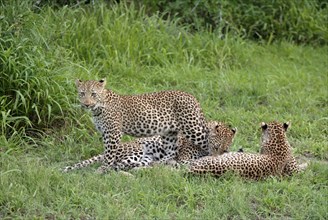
column 237, row 81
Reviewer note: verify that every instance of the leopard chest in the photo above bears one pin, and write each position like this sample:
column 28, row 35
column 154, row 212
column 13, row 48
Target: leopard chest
column 99, row 124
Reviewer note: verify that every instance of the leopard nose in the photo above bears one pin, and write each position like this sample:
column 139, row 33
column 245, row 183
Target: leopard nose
column 87, row 105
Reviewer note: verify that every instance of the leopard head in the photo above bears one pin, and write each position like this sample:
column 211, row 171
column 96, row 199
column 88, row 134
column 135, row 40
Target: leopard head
column 91, row 92
column 274, row 140
column 220, row 137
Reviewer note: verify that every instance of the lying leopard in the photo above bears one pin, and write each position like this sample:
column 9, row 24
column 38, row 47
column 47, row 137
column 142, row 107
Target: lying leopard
column 143, row 152
column 276, row 153
column 163, row 113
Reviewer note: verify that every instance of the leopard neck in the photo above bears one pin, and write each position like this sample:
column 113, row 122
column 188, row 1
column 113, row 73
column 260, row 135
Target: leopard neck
column 96, row 112
column 276, row 147
column 109, row 100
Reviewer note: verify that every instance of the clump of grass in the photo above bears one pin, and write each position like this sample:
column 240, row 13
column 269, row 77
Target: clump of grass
column 35, row 93
column 123, row 37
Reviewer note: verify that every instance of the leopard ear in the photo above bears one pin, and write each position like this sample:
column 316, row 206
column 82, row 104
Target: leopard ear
column 286, row 125
column 78, row 82
column 241, row 150
column 234, row 130
column 264, row 126
column 102, row 82
column 217, row 125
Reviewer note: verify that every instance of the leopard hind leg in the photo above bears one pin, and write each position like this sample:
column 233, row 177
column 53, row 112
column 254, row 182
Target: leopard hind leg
column 132, row 162
column 152, row 149
column 84, row 163
column 169, row 148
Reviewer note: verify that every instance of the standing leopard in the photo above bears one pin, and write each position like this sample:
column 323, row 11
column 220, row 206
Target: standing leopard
column 275, row 155
column 162, row 113
column 142, row 152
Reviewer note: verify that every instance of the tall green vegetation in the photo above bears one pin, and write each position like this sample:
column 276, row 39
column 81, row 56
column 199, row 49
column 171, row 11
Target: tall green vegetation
column 32, row 77
column 299, row 21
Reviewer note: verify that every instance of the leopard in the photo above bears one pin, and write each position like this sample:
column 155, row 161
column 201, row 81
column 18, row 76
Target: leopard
column 143, row 152
column 276, row 153
column 163, row 113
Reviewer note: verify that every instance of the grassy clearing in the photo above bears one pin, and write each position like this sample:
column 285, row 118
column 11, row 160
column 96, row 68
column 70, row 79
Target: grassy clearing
column 240, row 82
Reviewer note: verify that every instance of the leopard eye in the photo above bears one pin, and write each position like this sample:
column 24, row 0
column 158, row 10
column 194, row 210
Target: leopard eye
column 93, row 94
column 82, row 94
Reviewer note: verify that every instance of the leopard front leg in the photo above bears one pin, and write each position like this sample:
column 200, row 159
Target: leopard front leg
column 107, row 163
column 198, row 135
column 291, row 167
column 111, row 134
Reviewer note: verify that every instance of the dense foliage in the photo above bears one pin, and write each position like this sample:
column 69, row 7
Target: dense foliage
column 299, row 21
